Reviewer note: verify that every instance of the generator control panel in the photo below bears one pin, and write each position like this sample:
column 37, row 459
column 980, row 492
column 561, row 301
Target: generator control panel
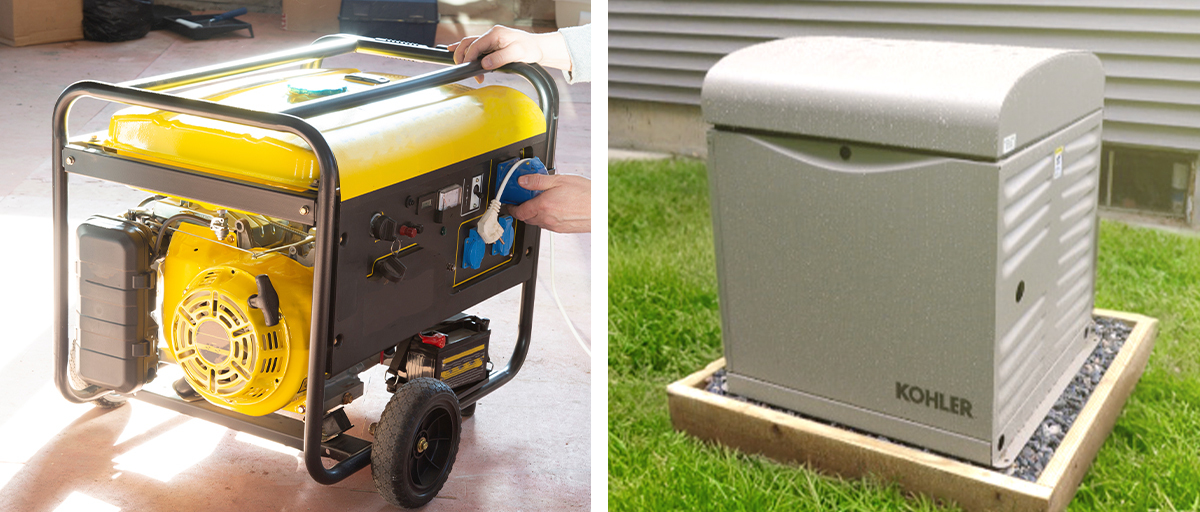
column 418, row 247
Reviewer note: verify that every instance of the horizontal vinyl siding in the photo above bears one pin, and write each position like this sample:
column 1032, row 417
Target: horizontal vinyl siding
column 659, row 50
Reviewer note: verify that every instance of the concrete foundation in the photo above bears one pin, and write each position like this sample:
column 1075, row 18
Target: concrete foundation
column 659, row 127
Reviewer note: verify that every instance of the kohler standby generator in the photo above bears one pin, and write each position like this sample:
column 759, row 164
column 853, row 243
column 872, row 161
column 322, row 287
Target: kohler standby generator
column 906, row 233
column 302, row 224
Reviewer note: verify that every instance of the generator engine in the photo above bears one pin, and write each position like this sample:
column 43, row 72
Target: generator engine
column 235, row 301
column 236, row 292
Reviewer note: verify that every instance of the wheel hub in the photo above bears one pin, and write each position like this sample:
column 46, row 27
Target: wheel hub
column 422, row 444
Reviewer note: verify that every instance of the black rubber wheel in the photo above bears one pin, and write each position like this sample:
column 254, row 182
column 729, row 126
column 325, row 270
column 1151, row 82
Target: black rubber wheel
column 416, row 442
column 469, row 410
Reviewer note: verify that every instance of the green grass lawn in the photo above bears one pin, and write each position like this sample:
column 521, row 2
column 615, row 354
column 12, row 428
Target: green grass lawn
column 664, row 324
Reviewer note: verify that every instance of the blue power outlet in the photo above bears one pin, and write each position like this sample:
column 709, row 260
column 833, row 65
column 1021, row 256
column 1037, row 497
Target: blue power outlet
column 503, row 246
column 513, row 193
column 473, row 250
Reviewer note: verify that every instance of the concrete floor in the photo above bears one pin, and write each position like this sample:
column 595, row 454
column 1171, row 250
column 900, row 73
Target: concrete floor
column 527, row 447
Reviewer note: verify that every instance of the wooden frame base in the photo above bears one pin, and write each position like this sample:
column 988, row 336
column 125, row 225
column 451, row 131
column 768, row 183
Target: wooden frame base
column 787, row 438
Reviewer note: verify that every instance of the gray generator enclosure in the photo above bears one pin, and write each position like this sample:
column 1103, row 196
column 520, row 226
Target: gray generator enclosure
column 906, row 232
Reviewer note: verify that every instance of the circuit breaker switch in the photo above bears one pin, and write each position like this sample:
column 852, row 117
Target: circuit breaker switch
column 408, row 230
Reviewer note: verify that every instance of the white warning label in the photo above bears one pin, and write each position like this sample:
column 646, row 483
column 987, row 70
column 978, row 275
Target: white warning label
column 1058, row 157
column 1010, row 143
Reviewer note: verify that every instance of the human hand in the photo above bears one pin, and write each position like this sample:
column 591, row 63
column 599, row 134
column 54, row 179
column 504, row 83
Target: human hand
column 564, row 206
column 503, row 45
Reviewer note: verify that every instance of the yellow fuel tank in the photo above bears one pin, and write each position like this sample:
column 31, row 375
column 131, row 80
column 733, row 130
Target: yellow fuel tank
column 376, row 145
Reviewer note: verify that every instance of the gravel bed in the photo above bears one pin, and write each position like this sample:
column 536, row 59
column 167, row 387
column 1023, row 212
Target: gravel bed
column 1037, row 452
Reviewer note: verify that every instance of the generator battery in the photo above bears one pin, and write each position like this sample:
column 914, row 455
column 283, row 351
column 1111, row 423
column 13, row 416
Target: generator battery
column 454, row 351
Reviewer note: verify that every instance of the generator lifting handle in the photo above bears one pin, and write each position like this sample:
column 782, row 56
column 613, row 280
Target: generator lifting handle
column 339, row 44
column 535, row 74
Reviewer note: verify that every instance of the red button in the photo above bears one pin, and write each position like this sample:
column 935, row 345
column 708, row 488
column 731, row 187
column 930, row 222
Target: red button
column 436, row 339
column 407, row 231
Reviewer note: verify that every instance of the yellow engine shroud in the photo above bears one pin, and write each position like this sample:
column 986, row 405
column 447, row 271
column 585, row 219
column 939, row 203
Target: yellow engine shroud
column 228, row 353
column 376, row 145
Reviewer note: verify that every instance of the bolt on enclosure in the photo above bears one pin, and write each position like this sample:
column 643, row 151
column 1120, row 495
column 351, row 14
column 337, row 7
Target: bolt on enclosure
column 906, row 232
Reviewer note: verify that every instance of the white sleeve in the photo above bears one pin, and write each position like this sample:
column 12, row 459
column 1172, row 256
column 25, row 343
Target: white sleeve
column 579, row 48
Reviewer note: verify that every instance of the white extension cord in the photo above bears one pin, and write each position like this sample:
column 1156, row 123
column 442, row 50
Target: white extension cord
column 490, row 231
column 489, row 224
column 554, row 292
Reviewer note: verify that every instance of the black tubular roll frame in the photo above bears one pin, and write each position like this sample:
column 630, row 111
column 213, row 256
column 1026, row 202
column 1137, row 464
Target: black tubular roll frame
column 355, row 454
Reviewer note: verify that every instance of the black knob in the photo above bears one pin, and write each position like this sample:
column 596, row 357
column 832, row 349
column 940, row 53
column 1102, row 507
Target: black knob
column 389, row 268
column 383, row 227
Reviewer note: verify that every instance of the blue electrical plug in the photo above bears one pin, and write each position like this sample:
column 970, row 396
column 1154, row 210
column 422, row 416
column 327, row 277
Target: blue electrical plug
column 513, row 192
column 473, row 250
column 503, row 246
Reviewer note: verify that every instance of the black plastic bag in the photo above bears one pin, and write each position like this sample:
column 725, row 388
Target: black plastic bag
column 117, row 20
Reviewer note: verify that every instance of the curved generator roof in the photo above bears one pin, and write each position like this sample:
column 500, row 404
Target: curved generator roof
column 978, row 101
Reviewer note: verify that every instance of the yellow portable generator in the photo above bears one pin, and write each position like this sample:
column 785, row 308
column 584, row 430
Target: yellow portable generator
column 304, row 224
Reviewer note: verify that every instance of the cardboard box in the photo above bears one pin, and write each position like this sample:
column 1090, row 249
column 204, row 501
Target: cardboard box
column 26, row 22
column 310, row 15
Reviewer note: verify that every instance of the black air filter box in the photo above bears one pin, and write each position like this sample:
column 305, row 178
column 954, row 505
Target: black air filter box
column 116, row 294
